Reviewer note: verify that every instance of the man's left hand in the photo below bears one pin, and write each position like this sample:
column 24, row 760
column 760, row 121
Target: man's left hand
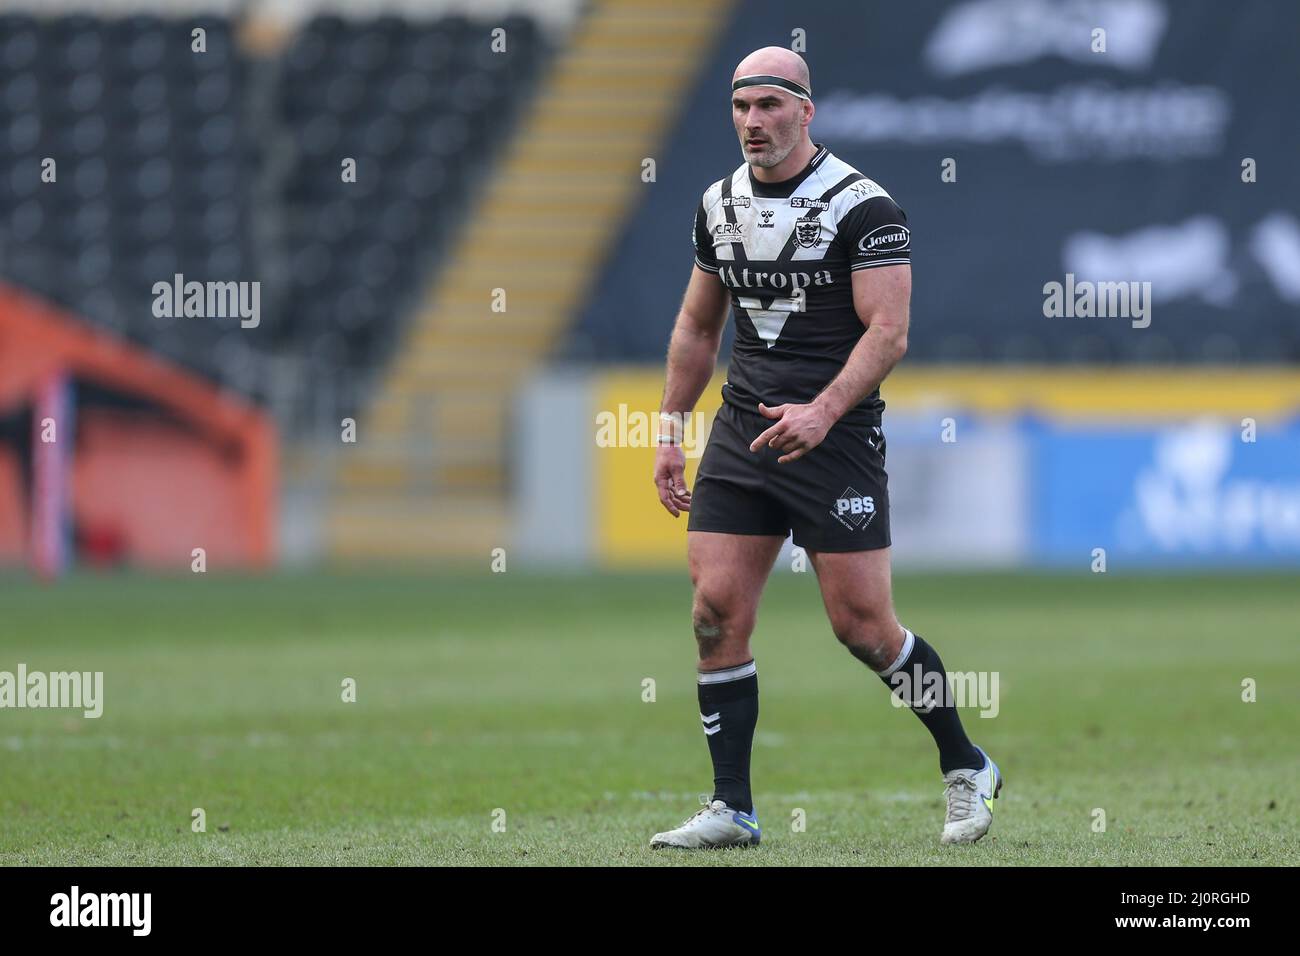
column 798, row 429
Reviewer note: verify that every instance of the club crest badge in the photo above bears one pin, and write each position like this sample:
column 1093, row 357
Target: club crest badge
column 807, row 232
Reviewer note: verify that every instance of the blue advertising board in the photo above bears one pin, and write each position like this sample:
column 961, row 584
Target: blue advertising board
column 1200, row 492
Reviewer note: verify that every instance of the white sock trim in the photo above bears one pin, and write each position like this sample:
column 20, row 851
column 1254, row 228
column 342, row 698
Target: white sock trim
column 909, row 641
column 728, row 675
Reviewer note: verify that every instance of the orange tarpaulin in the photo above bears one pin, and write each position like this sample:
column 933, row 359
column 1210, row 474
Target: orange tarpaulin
column 166, row 489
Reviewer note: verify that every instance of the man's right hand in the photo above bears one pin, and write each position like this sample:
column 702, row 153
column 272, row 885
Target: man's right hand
column 670, row 479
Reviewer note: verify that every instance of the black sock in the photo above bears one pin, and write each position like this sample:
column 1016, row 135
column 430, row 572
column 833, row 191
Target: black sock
column 911, row 679
column 729, row 711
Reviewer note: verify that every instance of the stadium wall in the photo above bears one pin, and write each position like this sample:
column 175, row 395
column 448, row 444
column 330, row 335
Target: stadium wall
column 989, row 467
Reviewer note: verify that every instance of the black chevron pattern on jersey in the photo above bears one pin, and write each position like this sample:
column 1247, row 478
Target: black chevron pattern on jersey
column 787, row 252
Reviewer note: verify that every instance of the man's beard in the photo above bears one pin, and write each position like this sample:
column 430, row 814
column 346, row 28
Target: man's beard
column 772, row 156
column 769, row 157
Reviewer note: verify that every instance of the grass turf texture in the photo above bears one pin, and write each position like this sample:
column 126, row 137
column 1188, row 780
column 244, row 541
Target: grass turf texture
column 485, row 691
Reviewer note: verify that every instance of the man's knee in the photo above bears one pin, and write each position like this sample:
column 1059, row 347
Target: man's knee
column 719, row 619
column 872, row 635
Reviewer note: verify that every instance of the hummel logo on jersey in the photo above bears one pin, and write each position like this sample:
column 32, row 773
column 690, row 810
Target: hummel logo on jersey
column 767, row 215
column 886, row 239
column 854, row 510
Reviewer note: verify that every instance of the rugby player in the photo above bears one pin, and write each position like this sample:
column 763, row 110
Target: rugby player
column 814, row 259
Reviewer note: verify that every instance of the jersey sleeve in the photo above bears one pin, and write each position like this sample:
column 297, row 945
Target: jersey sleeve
column 705, row 257
column 874, row 233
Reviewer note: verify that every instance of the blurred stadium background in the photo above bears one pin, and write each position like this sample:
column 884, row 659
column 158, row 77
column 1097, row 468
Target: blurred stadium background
column 460, row 349
column 558, row 166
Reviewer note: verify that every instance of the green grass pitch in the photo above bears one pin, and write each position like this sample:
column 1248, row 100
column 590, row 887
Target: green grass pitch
column 517, row 698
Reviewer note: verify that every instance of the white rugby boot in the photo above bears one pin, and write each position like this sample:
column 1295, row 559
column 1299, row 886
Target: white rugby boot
column 713, row 825
column 970, row 796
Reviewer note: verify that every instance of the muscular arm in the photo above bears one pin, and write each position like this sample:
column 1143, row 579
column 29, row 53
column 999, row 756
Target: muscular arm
column 692, row 355
column 693, row 348
column 880, row 297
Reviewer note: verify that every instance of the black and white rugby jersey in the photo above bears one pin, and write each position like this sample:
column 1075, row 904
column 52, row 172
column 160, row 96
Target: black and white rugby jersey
column 786, row 251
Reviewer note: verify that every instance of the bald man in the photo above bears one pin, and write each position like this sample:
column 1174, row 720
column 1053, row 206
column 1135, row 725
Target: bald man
column 814, row 259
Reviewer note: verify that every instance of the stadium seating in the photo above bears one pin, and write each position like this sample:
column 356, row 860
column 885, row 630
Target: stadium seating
column 224, row 165
column 151, row 159
column 417, row 107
